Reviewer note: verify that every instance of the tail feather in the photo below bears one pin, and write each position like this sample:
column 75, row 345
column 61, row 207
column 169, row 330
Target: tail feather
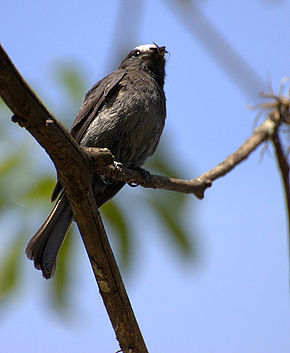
column 43, row 248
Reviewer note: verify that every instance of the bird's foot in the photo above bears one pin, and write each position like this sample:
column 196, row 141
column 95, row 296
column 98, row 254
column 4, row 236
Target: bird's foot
column 119, row 166
column 107, row 180
column 145, row 174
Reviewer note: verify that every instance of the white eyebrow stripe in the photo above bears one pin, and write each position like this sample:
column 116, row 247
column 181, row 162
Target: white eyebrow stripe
column 145, row 47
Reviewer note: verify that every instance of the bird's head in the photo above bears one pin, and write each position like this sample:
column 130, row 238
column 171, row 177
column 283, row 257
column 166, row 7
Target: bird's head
column 149, row 58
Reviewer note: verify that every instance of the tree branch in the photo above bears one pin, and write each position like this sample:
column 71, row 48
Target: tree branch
column 277, row 112
column 195, row 186
column 284, row 169
column 71, row 164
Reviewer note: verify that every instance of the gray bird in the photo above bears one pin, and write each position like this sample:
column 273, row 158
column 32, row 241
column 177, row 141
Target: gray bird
column 124, row 112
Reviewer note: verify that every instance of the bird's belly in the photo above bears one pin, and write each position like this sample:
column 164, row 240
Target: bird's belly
column 130, row 135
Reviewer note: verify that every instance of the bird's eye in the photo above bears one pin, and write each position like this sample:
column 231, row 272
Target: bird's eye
column 136, row 53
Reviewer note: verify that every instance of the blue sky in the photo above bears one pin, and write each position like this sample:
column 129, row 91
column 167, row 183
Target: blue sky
column 236, row 299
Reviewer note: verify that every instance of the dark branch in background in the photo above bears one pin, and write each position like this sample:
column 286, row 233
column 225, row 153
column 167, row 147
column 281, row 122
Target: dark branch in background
column 209, row 36
column 76, row 165
column 278, row 111
column 284, row 169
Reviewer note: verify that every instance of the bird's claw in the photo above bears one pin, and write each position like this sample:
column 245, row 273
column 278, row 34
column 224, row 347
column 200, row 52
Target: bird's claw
column 146, row 175
column 119, row 166
column 107, row 180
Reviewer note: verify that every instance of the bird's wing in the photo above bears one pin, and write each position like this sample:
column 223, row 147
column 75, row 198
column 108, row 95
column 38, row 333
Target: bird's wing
column 93, row 101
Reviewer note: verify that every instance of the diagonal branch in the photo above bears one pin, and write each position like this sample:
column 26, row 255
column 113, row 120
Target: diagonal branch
column 234, row 65
column 71, row 165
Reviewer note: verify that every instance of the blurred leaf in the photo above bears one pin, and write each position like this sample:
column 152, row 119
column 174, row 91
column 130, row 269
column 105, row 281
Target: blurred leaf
column 173, row 223
column 160, row 165
column 10, row 163
column 9, row 270
column 61, row 279
column 112, row 212
column 169, row 206
column 72, row 81
column 174, row 201
column 8, row 168
column 40, row 191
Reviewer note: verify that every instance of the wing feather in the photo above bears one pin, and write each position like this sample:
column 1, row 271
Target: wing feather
column 93, row 102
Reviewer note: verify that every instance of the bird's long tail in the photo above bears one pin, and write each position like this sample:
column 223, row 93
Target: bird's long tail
column 45, row 244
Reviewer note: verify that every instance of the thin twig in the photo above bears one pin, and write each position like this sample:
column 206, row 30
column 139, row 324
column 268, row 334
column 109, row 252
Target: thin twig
column 195, row 186
column 284, row 170
column 217, row 45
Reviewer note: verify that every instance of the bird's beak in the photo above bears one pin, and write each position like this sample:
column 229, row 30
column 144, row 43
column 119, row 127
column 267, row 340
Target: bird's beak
column 159, row 50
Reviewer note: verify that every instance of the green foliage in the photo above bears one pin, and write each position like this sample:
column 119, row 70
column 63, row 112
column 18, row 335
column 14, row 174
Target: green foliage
column 113, row 213
column 170, row 206
column 168, row 212
column 61, row 281
column 7, row 166
column 71, row 80
column 39, row 192
column 10, row 268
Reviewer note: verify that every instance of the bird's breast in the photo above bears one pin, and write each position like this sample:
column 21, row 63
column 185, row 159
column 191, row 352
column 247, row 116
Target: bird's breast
column 130, row 122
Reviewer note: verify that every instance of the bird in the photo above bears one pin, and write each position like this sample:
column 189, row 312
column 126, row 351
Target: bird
column 124, row 112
